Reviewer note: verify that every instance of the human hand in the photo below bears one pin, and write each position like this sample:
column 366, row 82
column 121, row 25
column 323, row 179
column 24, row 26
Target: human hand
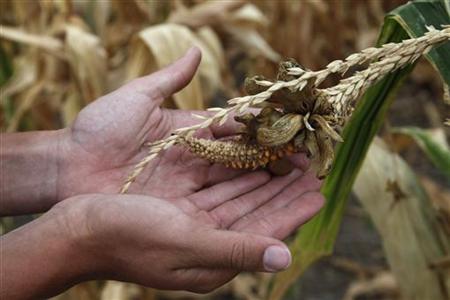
column 154, row 243
column 105, row 143
column 97, row 152
column 196, row 242
column 106, row 139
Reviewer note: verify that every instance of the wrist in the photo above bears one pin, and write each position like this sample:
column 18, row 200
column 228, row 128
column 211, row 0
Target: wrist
column 30, row 167
column 42, row 258
column 76, row 218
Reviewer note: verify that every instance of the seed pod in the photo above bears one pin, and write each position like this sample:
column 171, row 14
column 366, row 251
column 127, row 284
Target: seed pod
column 299, row 140
column 326, row 151
column 281, row 132
column 311, row 144
column 268, row 116
column 326, row 127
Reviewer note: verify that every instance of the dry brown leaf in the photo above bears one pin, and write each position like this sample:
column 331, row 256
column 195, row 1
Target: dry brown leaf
column 86, row 291
column 242, row 26
column 131, row 12
column 70, row 107
column 205, row 14
column 47, row 43
column 319, row 6
column 248, row 16
column 27, row 101
column 211, row 65
column 383, row 283
column 212, row 41
column 253, row 42
column 88, row 62
column 440, row 198
column 102, row 12
column 159, row 46
column 251, row 286
column 27, row 13
column 115, row 290
column 25, row 75
column 411, row 236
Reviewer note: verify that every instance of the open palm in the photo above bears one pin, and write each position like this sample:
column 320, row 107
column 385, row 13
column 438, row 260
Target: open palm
column 105, row 142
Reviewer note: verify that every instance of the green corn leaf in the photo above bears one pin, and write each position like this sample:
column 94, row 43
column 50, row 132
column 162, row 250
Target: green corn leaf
column 436, row 152
column 317, row 237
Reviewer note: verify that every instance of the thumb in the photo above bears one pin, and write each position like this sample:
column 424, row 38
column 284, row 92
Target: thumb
column 242, row 251
column 163, row 83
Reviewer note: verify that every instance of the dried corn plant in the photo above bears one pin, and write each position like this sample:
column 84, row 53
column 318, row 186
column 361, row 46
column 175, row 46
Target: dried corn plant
column 66, row 54
column 296, row 114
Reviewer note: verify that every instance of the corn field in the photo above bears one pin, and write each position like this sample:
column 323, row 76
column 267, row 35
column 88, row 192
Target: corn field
column 384, row 232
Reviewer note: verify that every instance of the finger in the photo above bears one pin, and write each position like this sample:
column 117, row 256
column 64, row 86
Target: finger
column 219, row 173
column 231, row 211
column 240, row 251
column 301, row 185
column 282, row 222
column 209, row 198
column 162, row 84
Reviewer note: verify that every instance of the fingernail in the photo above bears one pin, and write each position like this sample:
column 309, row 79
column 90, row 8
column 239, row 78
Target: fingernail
column 276, row 258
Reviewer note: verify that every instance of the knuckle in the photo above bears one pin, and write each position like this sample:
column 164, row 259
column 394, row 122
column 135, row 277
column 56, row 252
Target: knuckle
column 238, row 255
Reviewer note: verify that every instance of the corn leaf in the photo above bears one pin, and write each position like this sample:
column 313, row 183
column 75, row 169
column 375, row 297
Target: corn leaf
column 438, row 153
column 158, row 46
column 317, row 237
column 406, row 220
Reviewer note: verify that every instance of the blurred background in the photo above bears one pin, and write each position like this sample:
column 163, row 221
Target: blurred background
column 58, row 56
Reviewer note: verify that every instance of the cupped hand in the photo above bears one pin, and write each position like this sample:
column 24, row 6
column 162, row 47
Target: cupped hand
column 154, row 243
column 106, row 140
